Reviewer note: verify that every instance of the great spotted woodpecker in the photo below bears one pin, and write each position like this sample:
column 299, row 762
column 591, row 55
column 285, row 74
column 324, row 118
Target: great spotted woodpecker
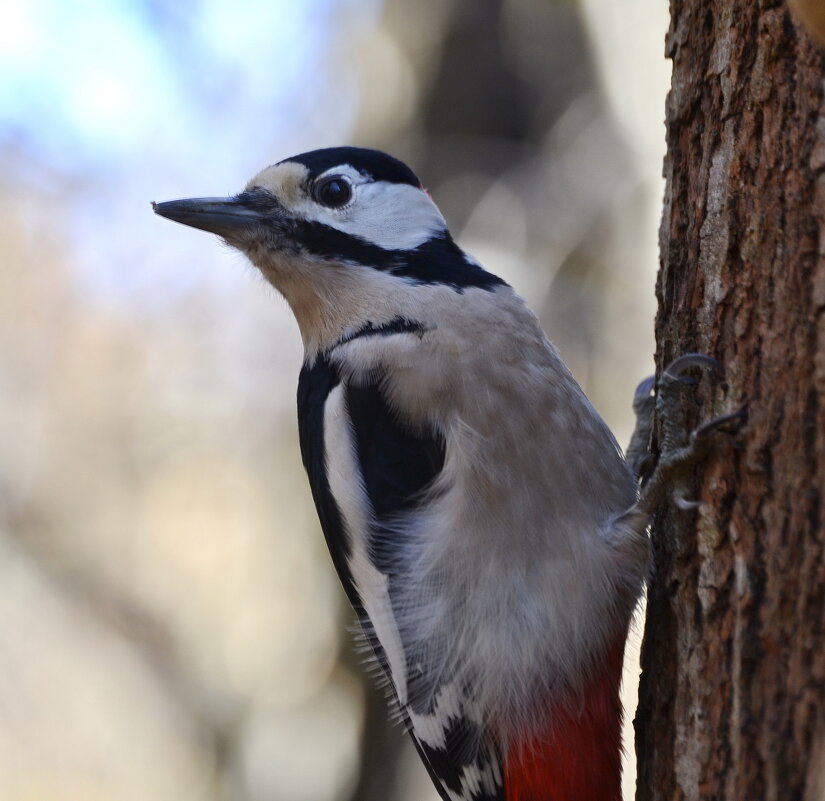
column 477, row 509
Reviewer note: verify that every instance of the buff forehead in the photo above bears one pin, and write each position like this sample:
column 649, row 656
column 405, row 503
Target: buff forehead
column 287, row 181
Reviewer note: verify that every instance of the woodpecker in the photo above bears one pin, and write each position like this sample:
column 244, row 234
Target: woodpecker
column 478, row 511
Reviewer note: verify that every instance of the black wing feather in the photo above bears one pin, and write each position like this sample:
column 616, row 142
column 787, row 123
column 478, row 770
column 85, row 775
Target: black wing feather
column 314, row 385
column 398, row 463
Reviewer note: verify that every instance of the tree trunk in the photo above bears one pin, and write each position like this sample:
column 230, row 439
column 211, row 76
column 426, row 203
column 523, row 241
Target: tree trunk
column 732, row 700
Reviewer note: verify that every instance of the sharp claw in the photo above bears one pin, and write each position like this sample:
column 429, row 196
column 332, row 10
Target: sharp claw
column 682, row 380
column 675, row 371
column 687, row 505
column 676, row 456
column 739, row 418
column 643, row 397
column 644, row 389
column 677, row 367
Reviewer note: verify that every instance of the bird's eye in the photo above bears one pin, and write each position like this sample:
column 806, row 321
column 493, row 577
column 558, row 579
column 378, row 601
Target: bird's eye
column 333, row 192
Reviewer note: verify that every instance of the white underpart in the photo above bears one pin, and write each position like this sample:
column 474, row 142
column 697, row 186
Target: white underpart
column 392, row 216
column 345, row 484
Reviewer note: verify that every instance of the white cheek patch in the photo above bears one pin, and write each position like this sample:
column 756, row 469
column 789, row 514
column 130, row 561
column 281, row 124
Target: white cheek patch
column 392, row 216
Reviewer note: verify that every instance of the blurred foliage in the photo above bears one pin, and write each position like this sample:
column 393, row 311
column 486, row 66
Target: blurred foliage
column 170, row 627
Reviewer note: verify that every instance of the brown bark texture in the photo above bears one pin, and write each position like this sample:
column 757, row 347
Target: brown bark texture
column 732, row 700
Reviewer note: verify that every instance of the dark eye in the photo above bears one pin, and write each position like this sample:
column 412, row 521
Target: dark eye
column 333, row 192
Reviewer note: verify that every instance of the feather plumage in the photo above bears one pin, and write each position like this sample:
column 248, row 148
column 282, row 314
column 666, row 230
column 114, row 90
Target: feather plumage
column 470, row 495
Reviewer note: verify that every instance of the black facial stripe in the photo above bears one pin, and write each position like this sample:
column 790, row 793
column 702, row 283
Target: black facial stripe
column 374, row 163
column 398, row 325
column 441, row 261
column 436, row 261
column 331, row 244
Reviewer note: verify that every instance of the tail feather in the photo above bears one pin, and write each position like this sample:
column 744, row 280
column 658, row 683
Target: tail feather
column 579, row 757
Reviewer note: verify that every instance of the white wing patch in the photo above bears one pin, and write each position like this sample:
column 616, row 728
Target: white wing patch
column 347, row 489
column 432, row 728
column 477, row 779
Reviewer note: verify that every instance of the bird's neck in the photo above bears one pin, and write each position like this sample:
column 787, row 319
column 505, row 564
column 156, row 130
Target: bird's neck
column 578, row 758
column 328, row 299
column 324, row 306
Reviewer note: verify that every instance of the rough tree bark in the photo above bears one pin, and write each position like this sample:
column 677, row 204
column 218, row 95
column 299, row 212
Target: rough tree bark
column 732, row 702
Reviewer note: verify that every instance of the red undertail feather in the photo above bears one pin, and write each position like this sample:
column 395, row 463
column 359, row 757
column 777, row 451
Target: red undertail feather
column 579, row 757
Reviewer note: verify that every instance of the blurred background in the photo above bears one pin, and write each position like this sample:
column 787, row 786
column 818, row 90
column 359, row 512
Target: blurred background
column 170, row 626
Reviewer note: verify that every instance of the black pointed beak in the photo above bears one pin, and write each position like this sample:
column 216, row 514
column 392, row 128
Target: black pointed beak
column 225, row 216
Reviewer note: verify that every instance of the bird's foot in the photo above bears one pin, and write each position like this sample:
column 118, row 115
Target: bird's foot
column 679, row 452
column 638, row 453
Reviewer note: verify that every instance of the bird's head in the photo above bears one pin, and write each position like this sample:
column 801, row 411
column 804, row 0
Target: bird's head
column 348, row 236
